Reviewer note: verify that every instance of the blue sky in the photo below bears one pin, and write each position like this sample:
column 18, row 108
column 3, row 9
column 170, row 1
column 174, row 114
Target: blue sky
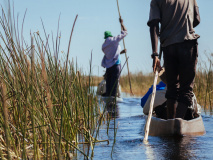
column 97, row 16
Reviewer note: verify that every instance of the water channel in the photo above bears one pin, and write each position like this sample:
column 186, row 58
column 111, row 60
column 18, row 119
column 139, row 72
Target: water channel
column 130, row 122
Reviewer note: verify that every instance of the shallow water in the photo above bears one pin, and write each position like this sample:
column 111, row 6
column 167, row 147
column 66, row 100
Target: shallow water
column 129, row 144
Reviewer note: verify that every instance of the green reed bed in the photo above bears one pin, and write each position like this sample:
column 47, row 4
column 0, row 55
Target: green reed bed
column 46, row 109
column 204, row 83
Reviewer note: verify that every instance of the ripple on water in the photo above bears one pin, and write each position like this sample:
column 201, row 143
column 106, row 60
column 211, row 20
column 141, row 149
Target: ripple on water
column 129, row 144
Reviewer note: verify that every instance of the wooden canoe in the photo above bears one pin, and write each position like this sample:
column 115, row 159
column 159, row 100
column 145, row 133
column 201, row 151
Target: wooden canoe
column 176, row 127
column 101, row 89
column 111, row 99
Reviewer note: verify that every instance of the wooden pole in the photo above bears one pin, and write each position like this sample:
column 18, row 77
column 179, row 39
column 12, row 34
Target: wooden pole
column 125, row 54
column 148, row 121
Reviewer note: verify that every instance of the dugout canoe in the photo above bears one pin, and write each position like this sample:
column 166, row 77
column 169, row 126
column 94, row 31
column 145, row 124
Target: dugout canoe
column 111, row 99
column 176, row 127
column 101, row 89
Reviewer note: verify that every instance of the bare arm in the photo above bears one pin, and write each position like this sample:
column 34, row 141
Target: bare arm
column 123, row 51
column 123, row 32
column 154, row 32
column 123, row 28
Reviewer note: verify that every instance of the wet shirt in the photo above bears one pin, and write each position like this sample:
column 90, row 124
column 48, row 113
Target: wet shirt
column 176, row 18
column 112, row 49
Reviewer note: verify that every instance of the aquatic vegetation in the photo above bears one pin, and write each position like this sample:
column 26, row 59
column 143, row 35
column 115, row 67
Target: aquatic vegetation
column 47, row 108
column 204, row 82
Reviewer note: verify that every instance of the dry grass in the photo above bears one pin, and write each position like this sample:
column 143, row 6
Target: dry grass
column 203, row 88
column 95, row 80
column 140, row 83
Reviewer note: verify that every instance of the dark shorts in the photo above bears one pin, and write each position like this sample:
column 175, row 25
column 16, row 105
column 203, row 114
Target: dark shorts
column 112, row 79
column 180, row 62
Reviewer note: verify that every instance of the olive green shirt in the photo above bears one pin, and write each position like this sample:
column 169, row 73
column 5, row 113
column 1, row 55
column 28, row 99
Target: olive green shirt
column 176, row 18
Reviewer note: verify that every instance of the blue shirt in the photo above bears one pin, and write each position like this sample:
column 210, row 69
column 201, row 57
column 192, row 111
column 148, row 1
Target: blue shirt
column 118, row 61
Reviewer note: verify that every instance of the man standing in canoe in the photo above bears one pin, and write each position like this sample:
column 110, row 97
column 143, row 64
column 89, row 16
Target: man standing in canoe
column 111, row 60
column 178, row 18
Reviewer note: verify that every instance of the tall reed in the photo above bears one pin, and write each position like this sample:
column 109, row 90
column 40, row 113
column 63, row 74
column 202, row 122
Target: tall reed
column 45, row 106
column 204, row 82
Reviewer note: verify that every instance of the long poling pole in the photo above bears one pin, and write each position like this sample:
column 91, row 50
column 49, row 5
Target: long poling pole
column 148, row 121
column 125, row 54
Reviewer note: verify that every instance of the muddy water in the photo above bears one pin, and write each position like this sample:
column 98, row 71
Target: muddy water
column 129, row 144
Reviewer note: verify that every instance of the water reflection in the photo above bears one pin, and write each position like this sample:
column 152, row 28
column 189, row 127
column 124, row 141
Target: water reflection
column 126, row 125
column 172, row 148
column 112, row 110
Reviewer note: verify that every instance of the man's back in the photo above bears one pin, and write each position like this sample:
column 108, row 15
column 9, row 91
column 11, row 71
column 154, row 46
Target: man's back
column 176, row 18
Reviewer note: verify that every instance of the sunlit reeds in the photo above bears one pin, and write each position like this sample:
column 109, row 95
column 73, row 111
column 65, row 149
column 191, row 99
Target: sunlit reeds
column 203, row 87
column 140, row 83
column 47, row 109
column 204, row 82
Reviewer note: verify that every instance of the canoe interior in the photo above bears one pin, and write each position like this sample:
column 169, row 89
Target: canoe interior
column 176, row 127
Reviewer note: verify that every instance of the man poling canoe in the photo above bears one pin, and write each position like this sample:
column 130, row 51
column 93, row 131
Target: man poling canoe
column 178, row 19
column 160, row 108
column 111, row 60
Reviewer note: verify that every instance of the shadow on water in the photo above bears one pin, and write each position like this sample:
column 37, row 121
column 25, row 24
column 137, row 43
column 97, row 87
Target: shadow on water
column 172, row 148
